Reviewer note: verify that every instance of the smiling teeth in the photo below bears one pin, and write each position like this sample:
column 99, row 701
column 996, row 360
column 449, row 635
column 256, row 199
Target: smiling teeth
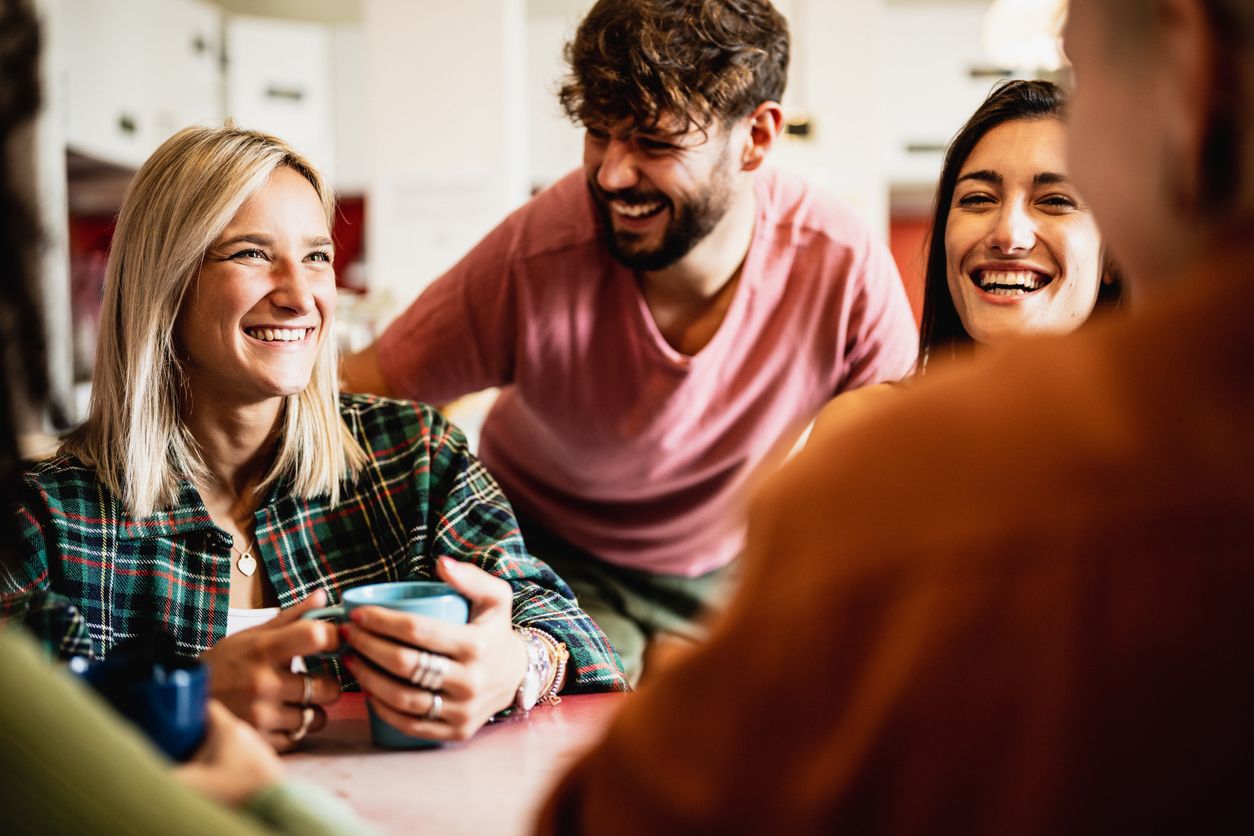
column 1005, row 282
column 283, row 335
column 635, row 210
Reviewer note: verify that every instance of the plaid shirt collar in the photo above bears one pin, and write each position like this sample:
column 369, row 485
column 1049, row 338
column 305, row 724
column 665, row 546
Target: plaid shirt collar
column 189, row 514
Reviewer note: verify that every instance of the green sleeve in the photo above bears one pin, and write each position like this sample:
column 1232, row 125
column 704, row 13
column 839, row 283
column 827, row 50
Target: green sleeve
column 299, row 808
column 70, row 766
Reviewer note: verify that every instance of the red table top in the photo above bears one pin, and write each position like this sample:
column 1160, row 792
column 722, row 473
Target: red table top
column 491, row 784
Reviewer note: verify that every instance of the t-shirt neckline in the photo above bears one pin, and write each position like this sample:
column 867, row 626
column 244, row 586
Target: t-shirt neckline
column 748, row 275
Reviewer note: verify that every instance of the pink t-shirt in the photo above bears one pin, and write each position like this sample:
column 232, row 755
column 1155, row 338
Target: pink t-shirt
column 606, row 434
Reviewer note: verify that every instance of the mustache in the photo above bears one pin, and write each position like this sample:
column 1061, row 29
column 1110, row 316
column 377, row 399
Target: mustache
column 628, row 196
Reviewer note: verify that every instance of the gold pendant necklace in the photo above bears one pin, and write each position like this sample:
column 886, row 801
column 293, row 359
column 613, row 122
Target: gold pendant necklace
column 247, row 564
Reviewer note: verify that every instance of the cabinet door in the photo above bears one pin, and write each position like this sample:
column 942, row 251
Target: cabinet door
column 184, row 78
column 102, row 46
column 278, row 81
column 935, row 76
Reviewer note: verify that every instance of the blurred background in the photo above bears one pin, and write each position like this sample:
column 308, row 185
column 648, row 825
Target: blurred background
column 434, row 119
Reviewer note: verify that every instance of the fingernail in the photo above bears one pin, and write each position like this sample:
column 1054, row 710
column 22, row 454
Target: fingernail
column 343, row 630
column 356, row 616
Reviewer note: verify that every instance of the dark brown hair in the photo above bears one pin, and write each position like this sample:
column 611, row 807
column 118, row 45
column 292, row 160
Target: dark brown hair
column 696, row 60
column 941, row 332
column 22, row 371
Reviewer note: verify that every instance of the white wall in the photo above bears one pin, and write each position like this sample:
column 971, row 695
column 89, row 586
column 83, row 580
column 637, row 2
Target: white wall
column 834, row 79
column 926, row 76
column 348, row 108
column 446, row 132
column 556, row 143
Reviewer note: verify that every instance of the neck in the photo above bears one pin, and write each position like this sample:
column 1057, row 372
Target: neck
column 717, row 257
column 237, row 442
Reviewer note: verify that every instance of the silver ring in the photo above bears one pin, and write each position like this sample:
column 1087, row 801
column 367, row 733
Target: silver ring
column 307, row 715
column 429, row 671
column 306, row 696
column 437, row 705
column 439, row 667
column 421, row 667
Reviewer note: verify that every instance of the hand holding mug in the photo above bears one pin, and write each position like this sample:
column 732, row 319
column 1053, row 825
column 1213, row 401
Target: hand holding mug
column 250, row 672
column 485, row 659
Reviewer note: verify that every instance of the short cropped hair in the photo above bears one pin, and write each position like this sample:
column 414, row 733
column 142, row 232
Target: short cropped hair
column 698, row 61
column 1228, row 142
column 175, row 208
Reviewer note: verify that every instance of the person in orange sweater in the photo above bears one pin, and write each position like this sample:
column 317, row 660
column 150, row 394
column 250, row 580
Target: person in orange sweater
column 1019, row 599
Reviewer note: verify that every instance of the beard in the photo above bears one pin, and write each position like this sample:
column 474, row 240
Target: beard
column 690, row 221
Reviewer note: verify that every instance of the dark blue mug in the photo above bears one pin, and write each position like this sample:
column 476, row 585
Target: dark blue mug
column 165, row 695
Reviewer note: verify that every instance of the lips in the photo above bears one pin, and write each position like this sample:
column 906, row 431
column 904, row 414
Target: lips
column 1010, row 282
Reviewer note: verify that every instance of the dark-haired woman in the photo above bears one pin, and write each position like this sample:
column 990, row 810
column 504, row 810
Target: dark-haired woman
column 1014, row 249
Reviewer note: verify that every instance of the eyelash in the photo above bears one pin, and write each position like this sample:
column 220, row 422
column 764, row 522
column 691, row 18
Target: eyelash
column 654, row 146
column 1059, row 202
column 649, row 146
column 317, row 255
column 1052, row 202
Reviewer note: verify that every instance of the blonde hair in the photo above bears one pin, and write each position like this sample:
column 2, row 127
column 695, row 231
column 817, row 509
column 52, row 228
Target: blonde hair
column 175, row 208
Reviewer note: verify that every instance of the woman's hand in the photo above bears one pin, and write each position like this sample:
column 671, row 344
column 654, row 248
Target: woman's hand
column 233, row 762
column 487, row 658
column 251, row 673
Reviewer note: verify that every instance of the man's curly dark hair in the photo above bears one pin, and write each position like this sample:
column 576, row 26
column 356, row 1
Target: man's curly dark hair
column 695, row 60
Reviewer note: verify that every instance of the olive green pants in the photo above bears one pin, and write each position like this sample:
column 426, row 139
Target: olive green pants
column 634, row 608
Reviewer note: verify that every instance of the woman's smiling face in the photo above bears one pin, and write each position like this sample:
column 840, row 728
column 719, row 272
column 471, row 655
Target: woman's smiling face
column 253, row 321
column 1022, row 249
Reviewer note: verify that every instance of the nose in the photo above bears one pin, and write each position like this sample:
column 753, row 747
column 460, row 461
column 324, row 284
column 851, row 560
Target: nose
column 1014, row 229
column 617, row 170
column 292, row 290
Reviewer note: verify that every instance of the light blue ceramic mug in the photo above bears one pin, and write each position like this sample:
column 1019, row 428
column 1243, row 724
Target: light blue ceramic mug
column 427, row 598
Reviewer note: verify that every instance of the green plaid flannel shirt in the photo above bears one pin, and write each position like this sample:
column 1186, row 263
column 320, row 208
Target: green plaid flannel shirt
column 93, row 575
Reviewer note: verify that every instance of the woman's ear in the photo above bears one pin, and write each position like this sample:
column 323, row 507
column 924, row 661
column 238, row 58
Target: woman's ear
column 765, row 124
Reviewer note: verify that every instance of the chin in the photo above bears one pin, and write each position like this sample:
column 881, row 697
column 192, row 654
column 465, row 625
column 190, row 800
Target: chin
column 992, row 334
column 284, row 389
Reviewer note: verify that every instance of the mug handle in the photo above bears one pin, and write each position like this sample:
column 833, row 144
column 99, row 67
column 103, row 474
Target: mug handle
column 336, row 612
column 326, row 612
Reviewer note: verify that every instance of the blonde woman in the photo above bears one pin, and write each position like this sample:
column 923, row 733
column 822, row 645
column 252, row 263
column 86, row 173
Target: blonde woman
column 220, row 476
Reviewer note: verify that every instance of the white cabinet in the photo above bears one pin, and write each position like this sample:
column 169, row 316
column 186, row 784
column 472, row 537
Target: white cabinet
column 136, row 71
column 279, row 81
column 185, row 66
column 104, row 93
column 934, row 75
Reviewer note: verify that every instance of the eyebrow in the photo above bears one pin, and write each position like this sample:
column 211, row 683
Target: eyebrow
column 1045, row 178
column 266, row 241
column 983, row 176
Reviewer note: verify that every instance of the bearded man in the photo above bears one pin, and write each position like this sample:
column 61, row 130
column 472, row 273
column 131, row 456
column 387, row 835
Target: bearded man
column 660, row 321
